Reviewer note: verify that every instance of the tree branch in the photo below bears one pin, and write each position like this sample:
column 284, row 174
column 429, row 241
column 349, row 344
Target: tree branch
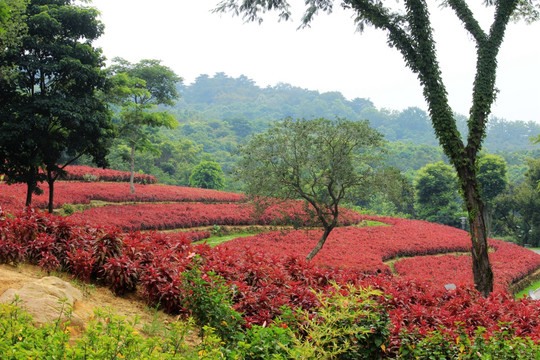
column 484, row 91
column 466, row 16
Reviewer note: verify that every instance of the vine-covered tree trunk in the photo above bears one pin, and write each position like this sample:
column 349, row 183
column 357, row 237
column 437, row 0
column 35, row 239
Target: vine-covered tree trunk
column 482, row 271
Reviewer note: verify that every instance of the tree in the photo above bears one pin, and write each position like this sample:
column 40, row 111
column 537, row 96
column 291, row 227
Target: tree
column 436, row 194
column 319, row 161
column 207, row 175
column 12, row 26
column 141, row 88
column 409, row 30
column 527, row 203
column 493, row 181
column 51, row 106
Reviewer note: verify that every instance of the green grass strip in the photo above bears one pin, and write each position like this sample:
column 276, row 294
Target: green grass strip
column 533, row 287
column 216, row 240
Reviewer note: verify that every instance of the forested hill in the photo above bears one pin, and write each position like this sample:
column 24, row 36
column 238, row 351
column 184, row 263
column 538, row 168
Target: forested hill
column 228, row 109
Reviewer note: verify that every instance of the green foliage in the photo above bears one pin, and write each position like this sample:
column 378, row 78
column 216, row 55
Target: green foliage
column 440, row 345
column 437, row 196
column 220, row 110
column 12, row 26
column 139, row 89
column 207, row 175
column 348, row 325
column 391, row 195
column 107, row 336
column 210, row 302
column 492, row 176
column 68, row 209
column 271, row 342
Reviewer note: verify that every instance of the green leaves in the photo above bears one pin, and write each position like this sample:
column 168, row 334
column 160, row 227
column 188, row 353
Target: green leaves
column 207, row 175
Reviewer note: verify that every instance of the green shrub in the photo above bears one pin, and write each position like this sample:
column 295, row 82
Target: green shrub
column 501, row 345
column 107, row 336
column 68, row 209
column 264, row 343
column 349, row 324
column 210, row 302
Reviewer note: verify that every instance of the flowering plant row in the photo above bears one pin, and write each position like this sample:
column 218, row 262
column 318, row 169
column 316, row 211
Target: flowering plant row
column 364, row 248
column 87, row 173
column 187, row 215
column 368, row 248
column 510, row 263
column 261, row 283
column 12, row 196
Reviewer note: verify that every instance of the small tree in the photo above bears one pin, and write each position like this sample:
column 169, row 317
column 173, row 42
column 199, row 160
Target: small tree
column 493, row 181
column 437, row 194
column 140, row 89
column 207, row 175
column 320, row 161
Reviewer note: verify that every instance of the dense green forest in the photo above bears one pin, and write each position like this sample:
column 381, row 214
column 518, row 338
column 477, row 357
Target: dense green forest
column 217, row 113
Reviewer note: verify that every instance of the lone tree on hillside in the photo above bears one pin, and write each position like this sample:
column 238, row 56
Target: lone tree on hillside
column 409, row 30
column 320, row 161
column 140, row 89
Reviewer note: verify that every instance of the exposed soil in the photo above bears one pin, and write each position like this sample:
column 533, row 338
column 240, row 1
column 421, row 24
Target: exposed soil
column 94, row 297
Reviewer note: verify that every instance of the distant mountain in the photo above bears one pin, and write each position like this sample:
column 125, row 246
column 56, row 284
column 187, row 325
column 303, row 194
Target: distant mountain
column 235, row 107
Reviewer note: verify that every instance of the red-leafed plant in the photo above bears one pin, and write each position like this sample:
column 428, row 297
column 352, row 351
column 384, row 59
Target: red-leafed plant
column 121, row 274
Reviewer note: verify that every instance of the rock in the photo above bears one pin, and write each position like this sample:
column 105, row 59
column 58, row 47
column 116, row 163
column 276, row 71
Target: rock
column 41, row 299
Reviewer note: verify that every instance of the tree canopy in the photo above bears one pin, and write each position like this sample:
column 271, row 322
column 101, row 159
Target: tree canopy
column 51, row 106
column 320, row 161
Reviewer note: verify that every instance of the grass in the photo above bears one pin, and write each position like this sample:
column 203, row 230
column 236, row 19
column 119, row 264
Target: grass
column 367, row 223
column 216, row 240
column 533, row 286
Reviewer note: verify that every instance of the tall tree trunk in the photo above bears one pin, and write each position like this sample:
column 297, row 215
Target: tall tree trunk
column 31, row 185
column 30, row 188
column 132, row 175
column 482, row 272
column 320, row 244
column 51, row 195
column 50, row 181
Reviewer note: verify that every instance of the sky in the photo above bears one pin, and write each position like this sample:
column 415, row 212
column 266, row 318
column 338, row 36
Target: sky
column 328, row 56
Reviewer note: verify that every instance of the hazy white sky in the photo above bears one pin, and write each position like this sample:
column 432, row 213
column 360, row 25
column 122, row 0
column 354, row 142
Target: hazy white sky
column 329, row 56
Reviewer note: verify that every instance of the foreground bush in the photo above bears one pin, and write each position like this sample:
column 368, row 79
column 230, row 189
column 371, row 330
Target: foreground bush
column 107, row 336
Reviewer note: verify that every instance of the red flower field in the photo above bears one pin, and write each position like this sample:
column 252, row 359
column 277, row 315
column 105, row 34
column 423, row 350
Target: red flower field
column 367, row 249
column 409, row 260
column 13, row 196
